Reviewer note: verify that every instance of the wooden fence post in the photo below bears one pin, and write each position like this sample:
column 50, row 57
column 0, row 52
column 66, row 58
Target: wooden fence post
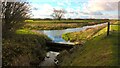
column 108, row 28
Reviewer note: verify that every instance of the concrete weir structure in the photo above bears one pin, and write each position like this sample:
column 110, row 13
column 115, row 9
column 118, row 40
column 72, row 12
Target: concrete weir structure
column 53, row 46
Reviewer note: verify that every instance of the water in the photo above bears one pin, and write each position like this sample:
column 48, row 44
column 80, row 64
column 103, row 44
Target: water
column 49, row 59
column 56, row 35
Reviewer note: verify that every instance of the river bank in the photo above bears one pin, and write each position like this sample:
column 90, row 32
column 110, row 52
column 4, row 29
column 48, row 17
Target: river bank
column 81, row 36
column 100, row 50
column 23, row 48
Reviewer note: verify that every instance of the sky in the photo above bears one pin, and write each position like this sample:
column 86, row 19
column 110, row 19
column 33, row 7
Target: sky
column 99, row 9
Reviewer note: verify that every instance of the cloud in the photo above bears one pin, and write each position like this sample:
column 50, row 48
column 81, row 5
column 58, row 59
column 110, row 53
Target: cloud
column 78, row 8
column 92, row 13
column 60, row 3
column 101, row 5
column 102, row 8
column 42, row 11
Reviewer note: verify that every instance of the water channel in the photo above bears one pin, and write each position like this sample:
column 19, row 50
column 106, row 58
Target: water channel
column 56, row 36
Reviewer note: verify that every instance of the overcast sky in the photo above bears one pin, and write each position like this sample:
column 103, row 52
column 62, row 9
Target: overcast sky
column 76, row 8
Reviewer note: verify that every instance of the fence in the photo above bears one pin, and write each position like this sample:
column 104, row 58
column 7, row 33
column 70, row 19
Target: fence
column 108, row 29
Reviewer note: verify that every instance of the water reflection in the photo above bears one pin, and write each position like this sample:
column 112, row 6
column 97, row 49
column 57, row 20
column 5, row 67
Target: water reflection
column 56, row 35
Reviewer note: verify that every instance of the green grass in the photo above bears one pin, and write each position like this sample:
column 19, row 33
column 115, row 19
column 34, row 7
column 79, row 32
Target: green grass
column 56, row 24
column 112, row 28
column 63, row 21
column 23, row 48
column 24, row 31
column 82, row 35
column 50, row 26
column 101, row 50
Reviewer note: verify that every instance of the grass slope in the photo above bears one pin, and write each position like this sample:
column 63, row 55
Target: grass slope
column 82, row 35
column 101, row 50
column 23, row 48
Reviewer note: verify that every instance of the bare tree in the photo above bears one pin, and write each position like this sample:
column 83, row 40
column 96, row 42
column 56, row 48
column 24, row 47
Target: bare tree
column 58, row 14
column 13, row 13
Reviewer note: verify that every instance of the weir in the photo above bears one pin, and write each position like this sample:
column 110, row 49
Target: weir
column 53, row 46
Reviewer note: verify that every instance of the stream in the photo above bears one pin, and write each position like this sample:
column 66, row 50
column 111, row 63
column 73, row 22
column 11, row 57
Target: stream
column 56, row 36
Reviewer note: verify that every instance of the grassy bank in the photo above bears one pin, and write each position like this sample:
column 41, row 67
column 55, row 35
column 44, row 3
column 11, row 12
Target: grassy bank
column 100, row 50
column 56, row 24
column 82, row 36
column 65, row 21
column 23, row 48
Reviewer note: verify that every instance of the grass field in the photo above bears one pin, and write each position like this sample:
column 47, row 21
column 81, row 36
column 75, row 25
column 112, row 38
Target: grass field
column 65, row 21
column 56, row 24
column 100, row 50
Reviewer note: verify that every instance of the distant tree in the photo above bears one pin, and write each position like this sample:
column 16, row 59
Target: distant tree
column 47, row 19
column 14, row 13
column 58, row 14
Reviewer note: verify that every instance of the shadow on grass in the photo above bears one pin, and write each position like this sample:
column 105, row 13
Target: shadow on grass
column 23, row 49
